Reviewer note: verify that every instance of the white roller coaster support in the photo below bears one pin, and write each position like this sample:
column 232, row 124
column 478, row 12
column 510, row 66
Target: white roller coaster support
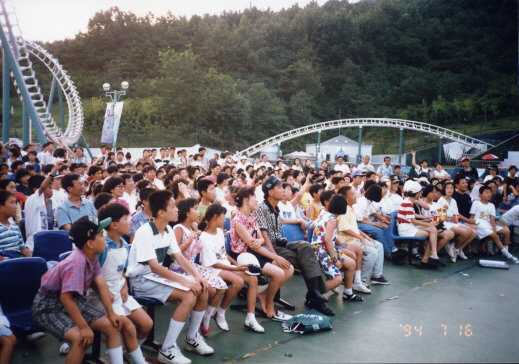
column 21, row 50
column 364, row 122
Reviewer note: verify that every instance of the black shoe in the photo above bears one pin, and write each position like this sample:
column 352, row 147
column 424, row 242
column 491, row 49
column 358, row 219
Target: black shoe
column 427, row 265
column 315, row 294
column 320, row 307
column 438, row 262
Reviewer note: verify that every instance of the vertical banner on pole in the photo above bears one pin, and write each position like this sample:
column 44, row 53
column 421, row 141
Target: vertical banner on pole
column 111, row 122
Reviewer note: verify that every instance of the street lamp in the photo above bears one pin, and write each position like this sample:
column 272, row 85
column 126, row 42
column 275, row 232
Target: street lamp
column 115, row 96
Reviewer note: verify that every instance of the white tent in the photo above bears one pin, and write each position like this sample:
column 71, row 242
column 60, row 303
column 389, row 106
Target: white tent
column 301, row 155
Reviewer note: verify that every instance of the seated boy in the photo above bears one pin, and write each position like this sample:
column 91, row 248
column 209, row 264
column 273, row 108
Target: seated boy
column 60, row 305
column 484, row 214
column 152, row 242
column 112, row 262
column 11, row 241
column 7, row 340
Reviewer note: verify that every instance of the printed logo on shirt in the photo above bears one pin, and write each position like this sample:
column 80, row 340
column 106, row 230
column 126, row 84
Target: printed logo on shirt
column 120, row 267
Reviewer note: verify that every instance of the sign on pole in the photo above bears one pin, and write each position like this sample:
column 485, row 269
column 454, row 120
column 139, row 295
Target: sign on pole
column 111, row 122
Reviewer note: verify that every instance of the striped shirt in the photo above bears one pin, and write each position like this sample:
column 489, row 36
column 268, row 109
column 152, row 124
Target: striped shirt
column 10, row 238
column 405, row 212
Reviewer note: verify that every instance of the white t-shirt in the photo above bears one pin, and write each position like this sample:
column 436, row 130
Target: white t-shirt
column 452, row 208
column 287, row 211
column 437, row 174
column 512, row 216
column 158, row 184
column 363, row 208
column 395, row 199
column 386, row 204
column 365, row 168
column 35, row 217
column 58, row 196
column 213, row 251
column 266, row 164
column 220, row 194
column 343, row 168
column 229, row 208
column 482, row 213
column 149, row 244
column 131, row 200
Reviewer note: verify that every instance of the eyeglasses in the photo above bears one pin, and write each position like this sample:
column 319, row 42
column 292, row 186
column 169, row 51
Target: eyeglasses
column 120, row 186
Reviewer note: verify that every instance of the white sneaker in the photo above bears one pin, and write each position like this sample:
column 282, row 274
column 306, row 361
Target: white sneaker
column 221, row 323
column 172, row 356
column 253, row 325
column 35, row 336
column 462, row 255
column 361, row 288
column 64, row 348
column 198, row 345
column 449, row 247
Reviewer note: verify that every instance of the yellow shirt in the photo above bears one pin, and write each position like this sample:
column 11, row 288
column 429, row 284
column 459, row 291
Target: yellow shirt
column 348, row 221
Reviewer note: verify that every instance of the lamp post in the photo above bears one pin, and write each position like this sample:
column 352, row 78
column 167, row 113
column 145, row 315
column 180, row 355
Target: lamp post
column 115, row 96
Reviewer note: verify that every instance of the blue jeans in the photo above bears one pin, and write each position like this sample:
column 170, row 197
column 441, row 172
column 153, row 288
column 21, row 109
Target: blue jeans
column 382, row 235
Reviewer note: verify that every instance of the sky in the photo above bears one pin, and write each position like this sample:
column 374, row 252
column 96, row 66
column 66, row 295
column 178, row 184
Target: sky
column 50, row 20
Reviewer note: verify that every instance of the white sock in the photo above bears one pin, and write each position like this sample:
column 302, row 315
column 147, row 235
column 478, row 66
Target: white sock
column 140, row 341
column 221, row 311
column 506, row 247
column 506, row 253
column 116, row 355
column 137, row 356
column 414, row 251
column 356, row 280
column 348, row 291
column 196, row 320
column 173, row 331
column 207, row 316
column 250, row 316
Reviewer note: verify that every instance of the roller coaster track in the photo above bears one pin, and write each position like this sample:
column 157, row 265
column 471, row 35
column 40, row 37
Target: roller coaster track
column 378, row 122
column 20, row 50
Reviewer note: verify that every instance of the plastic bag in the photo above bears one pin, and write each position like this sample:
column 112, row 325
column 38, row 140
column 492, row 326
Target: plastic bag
column 307, row 322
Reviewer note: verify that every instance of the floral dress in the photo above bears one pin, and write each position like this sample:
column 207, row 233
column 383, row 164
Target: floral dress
column 320, row 249
column 190, row 253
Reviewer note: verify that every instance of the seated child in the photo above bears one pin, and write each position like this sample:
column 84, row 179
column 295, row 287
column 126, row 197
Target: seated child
column 60, row 305
column 409, row 225
column 484, row 214
column 214, row 258
column 153, row 241
column 190, row 246
column 11, row 241
column 113, row 262
column 332, row 259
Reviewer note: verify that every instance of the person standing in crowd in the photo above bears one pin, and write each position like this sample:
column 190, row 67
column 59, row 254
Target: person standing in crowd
column 365, row 166
column 422, row 168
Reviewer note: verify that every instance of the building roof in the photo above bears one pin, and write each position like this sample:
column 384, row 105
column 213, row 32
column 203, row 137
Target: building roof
column 340, row 140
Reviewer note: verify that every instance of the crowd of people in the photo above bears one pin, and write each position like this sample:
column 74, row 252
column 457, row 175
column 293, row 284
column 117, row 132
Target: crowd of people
column 139, row 222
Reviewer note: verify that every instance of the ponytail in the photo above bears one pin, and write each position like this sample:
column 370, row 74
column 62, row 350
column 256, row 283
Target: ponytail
column 212, row 211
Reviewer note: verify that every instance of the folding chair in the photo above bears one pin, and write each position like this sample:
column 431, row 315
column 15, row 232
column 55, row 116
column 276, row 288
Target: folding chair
column 227, row 224
column 50, row 244
column 410, row 239
column 18, row 291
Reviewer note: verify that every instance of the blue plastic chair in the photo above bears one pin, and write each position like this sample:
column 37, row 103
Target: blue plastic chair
column 292, row 232
column 393, row 229
column 50, row 226
column 64, row 256
column 18, row 291
column 227, row 224
column 50, row 244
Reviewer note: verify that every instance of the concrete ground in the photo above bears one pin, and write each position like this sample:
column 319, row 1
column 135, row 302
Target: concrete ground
column 461, row 313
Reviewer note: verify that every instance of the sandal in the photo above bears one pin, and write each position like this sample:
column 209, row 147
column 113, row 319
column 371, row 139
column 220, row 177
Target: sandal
column 470, row 255
column 416, row 256
column 352, row 297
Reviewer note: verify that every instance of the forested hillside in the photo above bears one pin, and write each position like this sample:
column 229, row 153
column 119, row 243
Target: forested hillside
column 244, row 76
